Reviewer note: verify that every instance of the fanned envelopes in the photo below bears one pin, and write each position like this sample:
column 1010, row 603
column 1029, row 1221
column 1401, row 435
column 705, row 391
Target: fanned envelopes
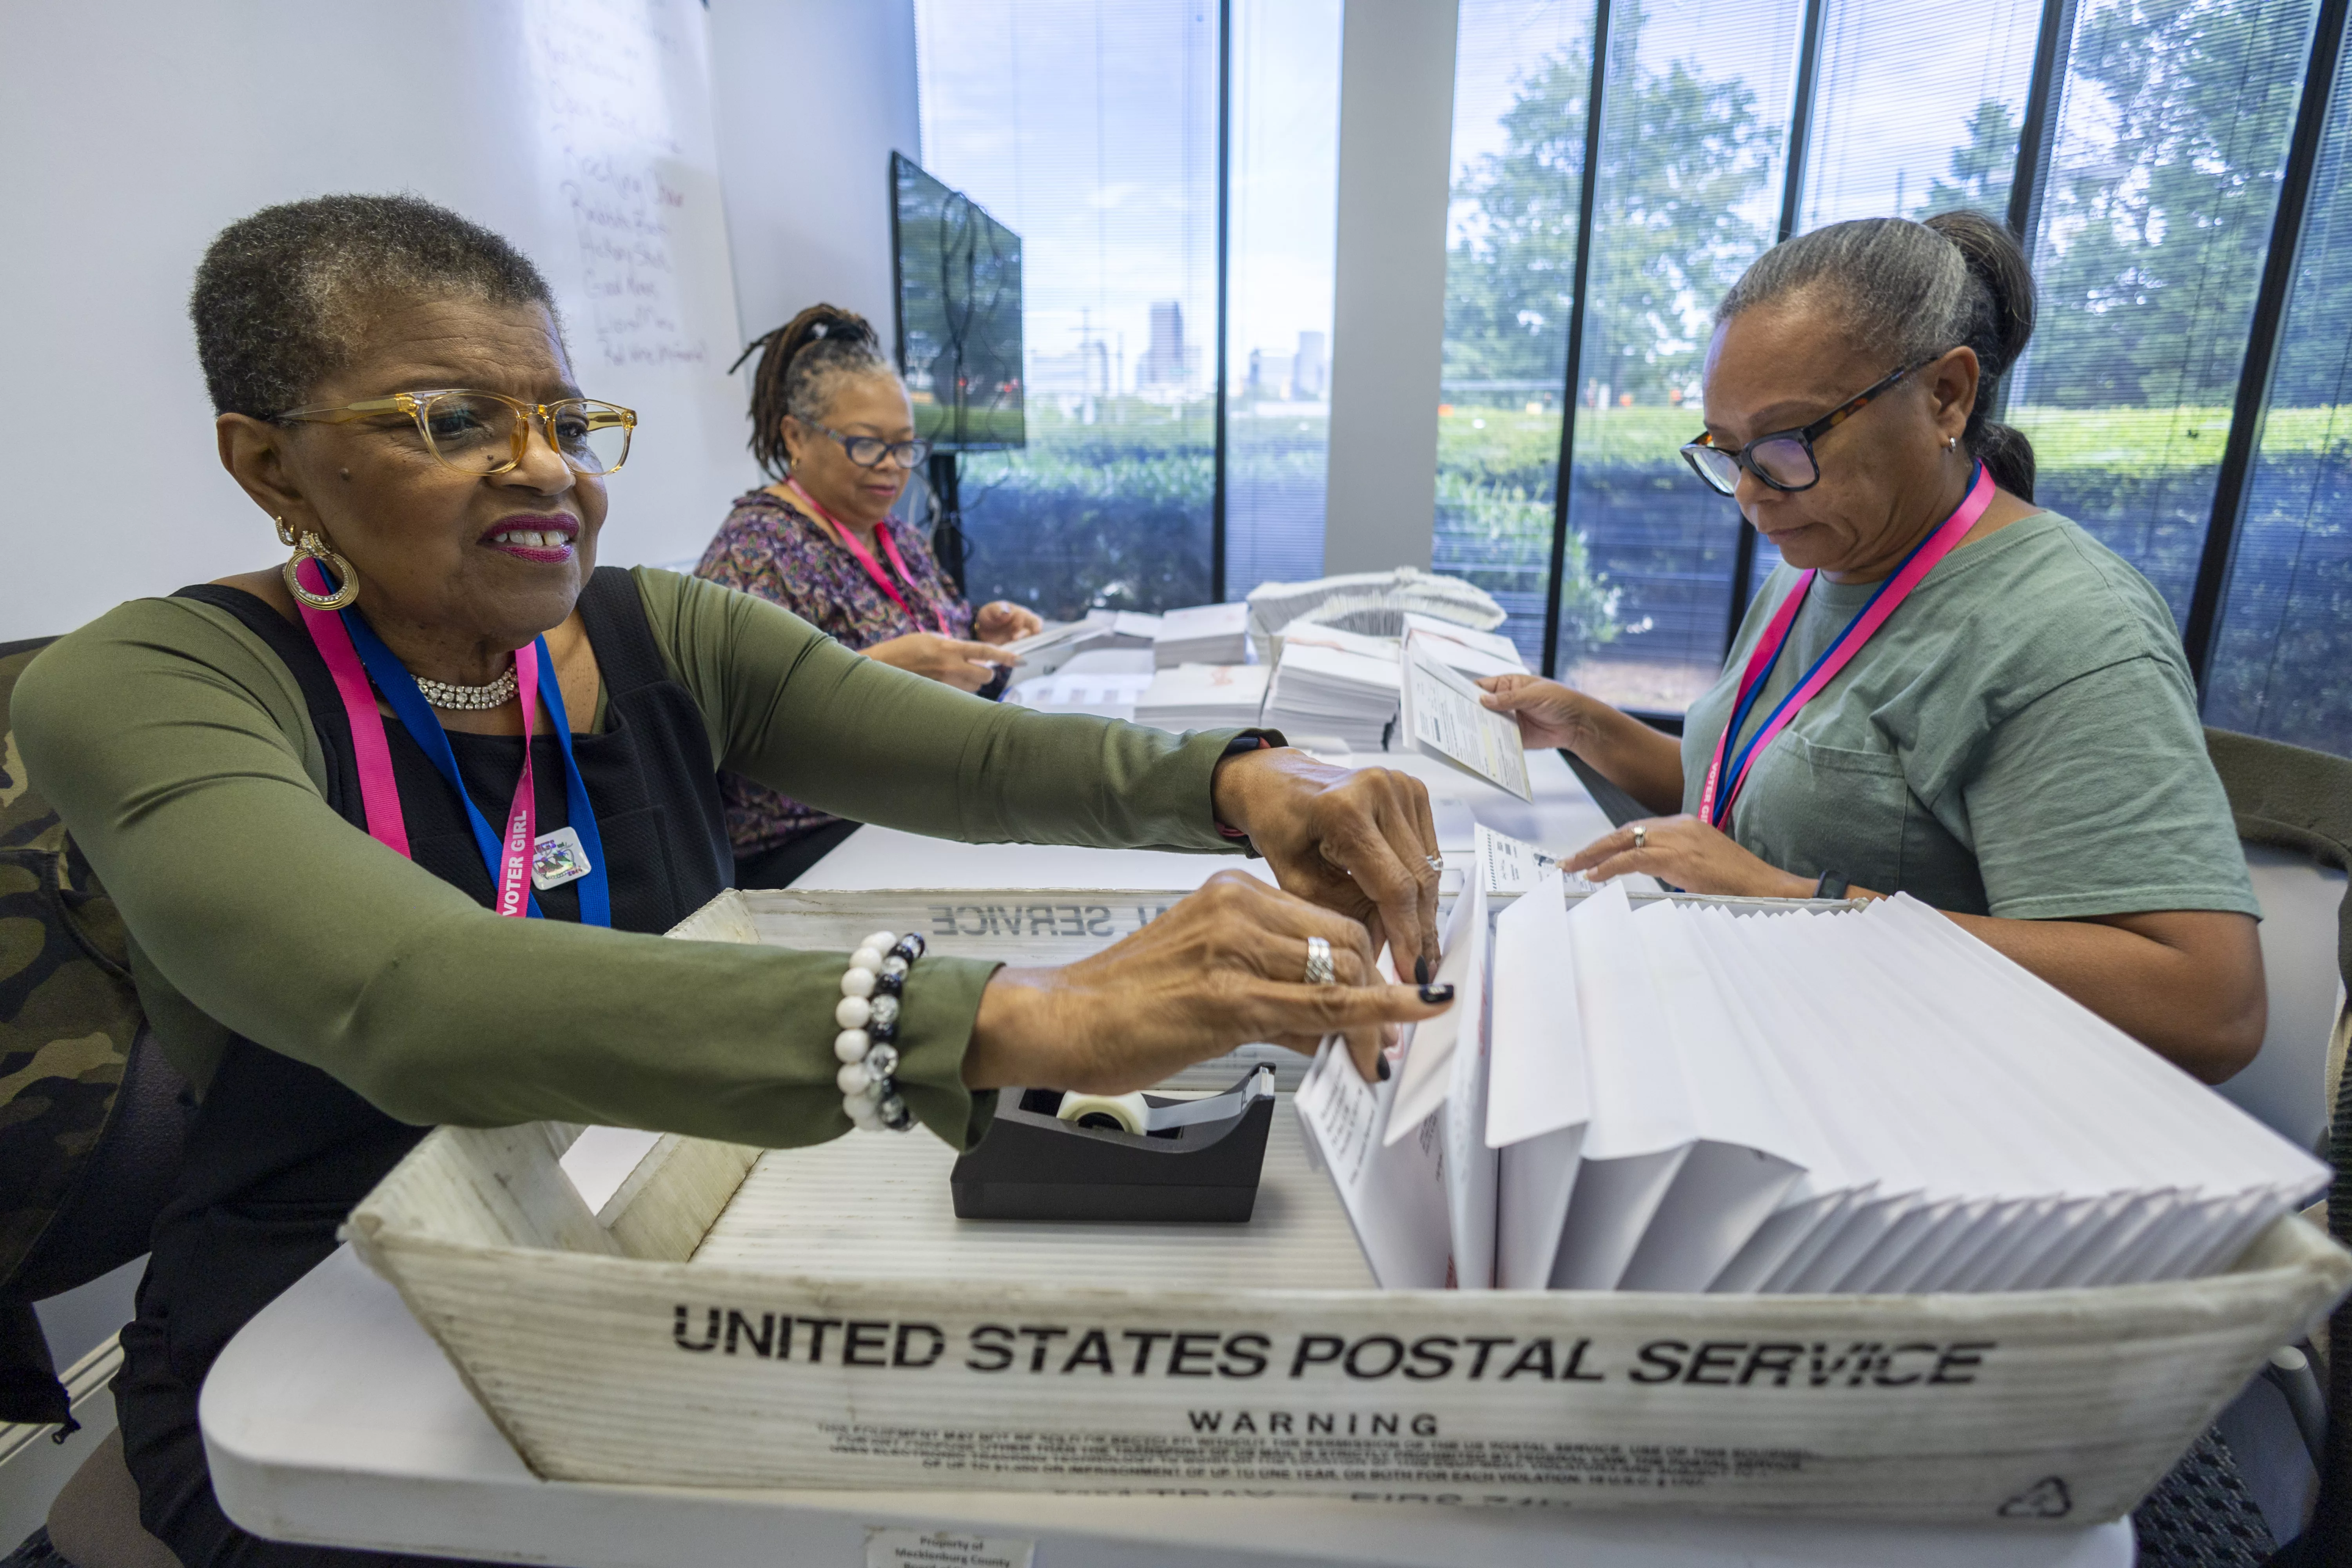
column 1682, row 1097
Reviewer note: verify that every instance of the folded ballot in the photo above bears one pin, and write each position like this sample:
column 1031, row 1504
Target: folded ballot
column 1441, row 716
column 1474, row 653
column 1203, row 697
column 1204, row 634
column 1680, row 1097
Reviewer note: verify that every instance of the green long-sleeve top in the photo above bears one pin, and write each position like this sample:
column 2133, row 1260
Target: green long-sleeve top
column 179, row 751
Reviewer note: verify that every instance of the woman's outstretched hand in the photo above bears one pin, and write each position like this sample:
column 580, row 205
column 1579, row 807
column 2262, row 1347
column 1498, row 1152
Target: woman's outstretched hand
column 1360, row 841
column 1003, row 621
column 966, row 665
column 1550, row 714
column 1688, row 853
column 1226, row 966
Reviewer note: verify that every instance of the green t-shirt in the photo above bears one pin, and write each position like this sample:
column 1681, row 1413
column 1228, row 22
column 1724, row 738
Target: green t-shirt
column 2020, row 739
column 179, row 751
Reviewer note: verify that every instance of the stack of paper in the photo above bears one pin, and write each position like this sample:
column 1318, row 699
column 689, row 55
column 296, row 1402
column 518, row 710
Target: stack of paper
column 1105, row 682
column 1203, row 697
column 1205, row 634
column 1685, row 1099
column 1444, row 717
column 1122, row 629
column 1333, row 685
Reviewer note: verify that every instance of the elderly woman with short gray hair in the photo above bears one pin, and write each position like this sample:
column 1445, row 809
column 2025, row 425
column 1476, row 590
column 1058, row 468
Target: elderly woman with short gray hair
column 1943, row 690
column 288, row 779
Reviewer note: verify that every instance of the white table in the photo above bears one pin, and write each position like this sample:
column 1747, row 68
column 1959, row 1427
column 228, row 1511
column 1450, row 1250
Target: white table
column 332, row 1418
column 1561, row 818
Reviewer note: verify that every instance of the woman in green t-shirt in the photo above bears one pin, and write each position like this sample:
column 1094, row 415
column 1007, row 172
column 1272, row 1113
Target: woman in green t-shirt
column 1943, row 690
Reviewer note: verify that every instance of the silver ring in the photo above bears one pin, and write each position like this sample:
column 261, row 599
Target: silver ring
column 1641, row 836
column 1436, row 862
column 1319, row 963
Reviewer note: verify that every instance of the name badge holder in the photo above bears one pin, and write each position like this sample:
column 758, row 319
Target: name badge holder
column 523, row 857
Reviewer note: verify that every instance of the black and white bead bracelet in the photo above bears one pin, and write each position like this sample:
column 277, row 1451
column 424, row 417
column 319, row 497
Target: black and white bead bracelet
column 872, row 991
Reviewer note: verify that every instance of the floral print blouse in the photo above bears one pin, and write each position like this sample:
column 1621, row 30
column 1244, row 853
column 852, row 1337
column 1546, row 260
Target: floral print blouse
column 769, row 547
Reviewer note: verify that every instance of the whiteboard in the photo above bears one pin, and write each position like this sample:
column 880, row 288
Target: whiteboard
column 582, row 129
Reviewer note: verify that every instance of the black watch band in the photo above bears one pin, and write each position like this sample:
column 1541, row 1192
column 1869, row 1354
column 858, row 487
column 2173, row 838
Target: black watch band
column 1831, row 886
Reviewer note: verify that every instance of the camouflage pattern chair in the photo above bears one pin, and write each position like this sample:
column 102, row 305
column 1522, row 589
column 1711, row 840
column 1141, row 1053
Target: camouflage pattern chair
column 91, row 1115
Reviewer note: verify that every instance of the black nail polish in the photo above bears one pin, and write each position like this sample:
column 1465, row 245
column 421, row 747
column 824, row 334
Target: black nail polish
column 1421, row 970
column 1437, row 993
column 1384, row 1066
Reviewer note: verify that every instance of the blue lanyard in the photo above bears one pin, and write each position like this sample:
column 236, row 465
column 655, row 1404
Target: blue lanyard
column 417, row 716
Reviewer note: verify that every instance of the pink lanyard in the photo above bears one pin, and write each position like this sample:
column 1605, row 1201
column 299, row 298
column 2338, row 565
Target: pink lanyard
column 1891, row 594
column 865, row 559
column 379, row 792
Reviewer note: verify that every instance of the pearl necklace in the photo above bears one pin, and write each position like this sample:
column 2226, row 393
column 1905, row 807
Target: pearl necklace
column 468, row 699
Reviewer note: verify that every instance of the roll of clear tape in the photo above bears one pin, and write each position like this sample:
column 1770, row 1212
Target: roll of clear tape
column 1106, row 1112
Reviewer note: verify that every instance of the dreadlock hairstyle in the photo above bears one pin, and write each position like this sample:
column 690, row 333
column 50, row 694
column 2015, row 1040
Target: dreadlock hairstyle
column 802, row 365
column 1958, row 278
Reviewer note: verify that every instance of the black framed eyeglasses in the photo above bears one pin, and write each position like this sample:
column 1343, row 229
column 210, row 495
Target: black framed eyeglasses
column 868, row 451
column 1784, row 459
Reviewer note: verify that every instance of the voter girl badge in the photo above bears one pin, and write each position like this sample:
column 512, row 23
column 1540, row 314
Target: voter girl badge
column 556, row 858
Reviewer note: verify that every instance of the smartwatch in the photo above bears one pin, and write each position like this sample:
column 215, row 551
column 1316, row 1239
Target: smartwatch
column 1831, row 886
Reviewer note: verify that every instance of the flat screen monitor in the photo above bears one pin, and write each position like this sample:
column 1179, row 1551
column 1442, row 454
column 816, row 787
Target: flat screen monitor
column 958, row 276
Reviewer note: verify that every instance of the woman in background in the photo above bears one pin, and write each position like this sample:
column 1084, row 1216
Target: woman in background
column 832, row 425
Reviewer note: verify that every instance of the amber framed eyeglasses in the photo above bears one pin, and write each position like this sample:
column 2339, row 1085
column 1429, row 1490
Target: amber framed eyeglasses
column 485, row 433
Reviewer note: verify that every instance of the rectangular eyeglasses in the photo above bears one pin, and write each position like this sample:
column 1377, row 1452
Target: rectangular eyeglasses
column 485, row 433
column 1784, row 459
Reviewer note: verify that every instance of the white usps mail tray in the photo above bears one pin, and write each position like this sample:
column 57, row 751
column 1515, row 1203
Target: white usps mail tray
column 818, row 1318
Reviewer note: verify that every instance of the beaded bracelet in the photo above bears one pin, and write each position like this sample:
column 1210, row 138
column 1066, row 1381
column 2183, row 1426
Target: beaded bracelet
column 871, row 993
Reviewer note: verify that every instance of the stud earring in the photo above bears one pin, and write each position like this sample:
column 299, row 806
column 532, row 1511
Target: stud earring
column 1953, row 444
column 313, row 548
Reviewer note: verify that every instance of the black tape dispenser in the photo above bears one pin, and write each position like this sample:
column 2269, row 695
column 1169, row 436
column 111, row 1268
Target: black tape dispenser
column 1051, row 1156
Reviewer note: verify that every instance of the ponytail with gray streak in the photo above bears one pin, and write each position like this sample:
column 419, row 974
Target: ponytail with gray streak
column 1922, row 289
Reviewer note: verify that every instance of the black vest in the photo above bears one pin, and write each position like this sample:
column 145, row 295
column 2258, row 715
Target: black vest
column 280, row 1151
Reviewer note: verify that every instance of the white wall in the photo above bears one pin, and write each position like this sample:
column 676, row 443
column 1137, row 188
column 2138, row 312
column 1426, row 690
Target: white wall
column 811, row 97
column 136, row 128
column 1396, row 127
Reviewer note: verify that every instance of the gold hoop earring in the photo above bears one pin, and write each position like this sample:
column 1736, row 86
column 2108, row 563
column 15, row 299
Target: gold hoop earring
column 285, row 534
column 313, row 548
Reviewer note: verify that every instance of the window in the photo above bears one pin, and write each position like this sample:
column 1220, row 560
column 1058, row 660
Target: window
column 2282, row 667
column 1913, row 116
column 1090, row 128
column 2171, row 138
column 1689, row 193
column 1522, row 70
column 1285, row 173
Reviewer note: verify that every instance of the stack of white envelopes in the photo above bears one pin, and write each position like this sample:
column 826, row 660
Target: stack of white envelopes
column 1204, row 634
column 1203, row 697
column 1336, row 685
column 1680, row 1097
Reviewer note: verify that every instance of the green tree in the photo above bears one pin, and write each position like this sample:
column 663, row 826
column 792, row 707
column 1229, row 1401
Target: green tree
column 1681, row 157
column 1983, row 169
column 2156, row 245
